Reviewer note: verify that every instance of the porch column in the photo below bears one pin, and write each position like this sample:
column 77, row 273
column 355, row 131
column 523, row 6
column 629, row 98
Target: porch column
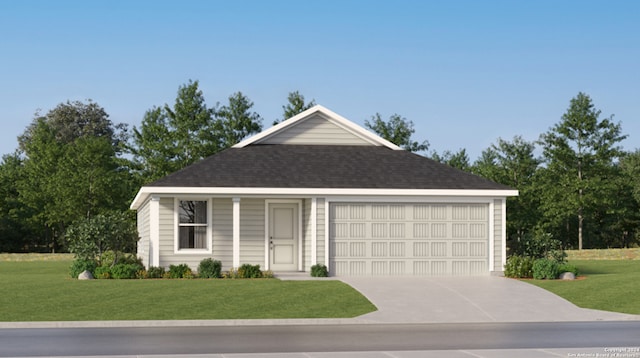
column 314, row 231
column 154, row 231
column 236, row 232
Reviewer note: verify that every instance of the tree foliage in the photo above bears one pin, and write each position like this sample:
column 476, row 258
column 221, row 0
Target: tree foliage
column 579, row 153
column 515, row 164
column 89, row 238
column 171, row 138
column 295, row 105
column 397, row 130
column 71, row 167
column 458, row 160
column 236, row 121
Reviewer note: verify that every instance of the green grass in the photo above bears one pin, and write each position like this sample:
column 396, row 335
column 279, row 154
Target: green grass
column 604, row 254
column 609, row 285
column 42, row 291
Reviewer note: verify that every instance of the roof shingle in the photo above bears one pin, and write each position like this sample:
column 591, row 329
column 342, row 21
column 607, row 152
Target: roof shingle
column 323, row 166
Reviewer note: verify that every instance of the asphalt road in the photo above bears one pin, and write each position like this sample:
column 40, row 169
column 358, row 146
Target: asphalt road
column 314, row 338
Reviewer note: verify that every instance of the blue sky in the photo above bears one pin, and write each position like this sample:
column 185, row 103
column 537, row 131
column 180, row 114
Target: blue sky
column 465, row 72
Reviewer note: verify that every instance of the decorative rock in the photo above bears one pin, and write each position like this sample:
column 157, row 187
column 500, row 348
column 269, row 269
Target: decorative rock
column 567, row 276
column 85, row 275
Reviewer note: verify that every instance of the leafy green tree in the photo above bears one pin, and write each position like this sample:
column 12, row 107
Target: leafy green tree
column 397, row 130
column 71, row 167
column 169, row 138
column 16, row 233
column 296, row 104
column 515, row 164
column 235, row 121
column 579, row 154
column 90, row 238
column 459, row 160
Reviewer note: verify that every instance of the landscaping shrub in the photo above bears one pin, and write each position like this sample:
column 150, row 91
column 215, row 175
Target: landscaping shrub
column 210, row 268
column 125, row 271
column 567, row 268
column 539, row 245
column 319, row 270
column 519, row 267
column 80, row 265
column 545, row 269
column 180, row 271
column 268, row 274
column 103, row 272
column 155, row 272
column 249, row 271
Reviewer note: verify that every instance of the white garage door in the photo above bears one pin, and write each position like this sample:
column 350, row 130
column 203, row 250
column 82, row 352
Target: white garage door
column 409, row 239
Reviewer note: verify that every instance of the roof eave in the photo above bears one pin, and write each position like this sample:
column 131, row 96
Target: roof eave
column 147, row 191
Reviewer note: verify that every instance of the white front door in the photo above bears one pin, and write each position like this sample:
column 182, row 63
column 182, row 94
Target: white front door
column 283, row 237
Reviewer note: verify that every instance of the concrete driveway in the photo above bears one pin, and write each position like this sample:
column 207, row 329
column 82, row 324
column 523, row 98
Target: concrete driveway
column 467, row 299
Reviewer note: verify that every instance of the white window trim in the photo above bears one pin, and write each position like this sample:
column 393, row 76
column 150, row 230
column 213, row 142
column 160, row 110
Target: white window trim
column 176, row 227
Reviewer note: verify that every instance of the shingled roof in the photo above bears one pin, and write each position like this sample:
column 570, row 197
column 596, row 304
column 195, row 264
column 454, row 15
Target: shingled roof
column 323, row 166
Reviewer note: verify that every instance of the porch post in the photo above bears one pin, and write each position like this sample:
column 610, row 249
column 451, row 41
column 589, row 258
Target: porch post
column 314, row 231
column 236, row 232
column 154, row 231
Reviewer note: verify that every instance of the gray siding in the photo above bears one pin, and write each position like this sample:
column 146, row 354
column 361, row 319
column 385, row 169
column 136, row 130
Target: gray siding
column 144, row 233
column 252, row 232
column 497, row 235
column 223, row 231
column 315, row 130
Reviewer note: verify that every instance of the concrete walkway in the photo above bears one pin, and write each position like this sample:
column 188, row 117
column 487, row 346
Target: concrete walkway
column 468, row 299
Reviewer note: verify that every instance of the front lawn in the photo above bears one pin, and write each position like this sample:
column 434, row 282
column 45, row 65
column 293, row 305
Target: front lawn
column 609, row 285
column 43, row 291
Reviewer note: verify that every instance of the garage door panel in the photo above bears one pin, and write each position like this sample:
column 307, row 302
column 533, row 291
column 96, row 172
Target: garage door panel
column 408, row 239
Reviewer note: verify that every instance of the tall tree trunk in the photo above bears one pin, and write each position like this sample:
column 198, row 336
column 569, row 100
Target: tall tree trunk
column 580, row 220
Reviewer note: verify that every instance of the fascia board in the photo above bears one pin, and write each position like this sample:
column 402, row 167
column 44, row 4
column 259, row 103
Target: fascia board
column 270, row 192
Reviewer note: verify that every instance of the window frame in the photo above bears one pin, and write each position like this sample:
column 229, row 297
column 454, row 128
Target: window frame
column 177, row 225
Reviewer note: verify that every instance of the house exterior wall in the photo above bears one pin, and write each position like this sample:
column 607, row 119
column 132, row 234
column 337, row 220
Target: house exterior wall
column 223, row 231
column 144, row 234
column 315, row 130
column 252, row 236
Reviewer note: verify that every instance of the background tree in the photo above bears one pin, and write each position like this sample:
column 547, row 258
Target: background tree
column 236, row 121
column 16, row 233
column 515, row 164
column 71, row 167
column 579, row 155
column 172, row 138
column 397, row 130
column 459, row 159
column 295, row 105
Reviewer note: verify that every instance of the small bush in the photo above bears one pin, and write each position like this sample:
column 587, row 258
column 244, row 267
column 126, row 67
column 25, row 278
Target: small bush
column 103, row 272
column 155, row 272
column 545, row 269
column 80, row 265
column 179, row 271
column 567, row 268
column 519, row 267
column 125, row 271
column 210, row 268
column 249, row 271
column 319, row 270
column 268, row 274
column 230, row 274
column 539, row 245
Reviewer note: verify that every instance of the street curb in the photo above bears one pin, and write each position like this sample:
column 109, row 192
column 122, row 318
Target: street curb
column 183, row 323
